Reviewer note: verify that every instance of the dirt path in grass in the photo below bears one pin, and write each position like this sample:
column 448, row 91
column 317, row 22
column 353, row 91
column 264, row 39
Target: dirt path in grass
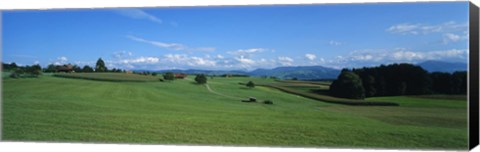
column 217, row 93
column 221, row 94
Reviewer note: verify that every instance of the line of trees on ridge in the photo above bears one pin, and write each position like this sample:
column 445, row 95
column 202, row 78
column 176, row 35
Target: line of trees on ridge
column 395, row 80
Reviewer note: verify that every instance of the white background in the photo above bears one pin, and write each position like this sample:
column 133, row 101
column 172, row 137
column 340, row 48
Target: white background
column 87, row 147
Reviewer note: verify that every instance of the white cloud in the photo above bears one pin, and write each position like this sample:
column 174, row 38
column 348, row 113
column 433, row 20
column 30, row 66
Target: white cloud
column 335, row 43
column 310, row 56
column 375, row 57
column 122, row 54
column 220, row 56
column 245, row 61
column 407, row 56
column 246, row 52
column 194, row 61
column 404, row 28
column 414, row 29
column 139, row 14
column 285, row 61
column 147, row 60
column 401, row 54
column 171, row 46
column 182, row 59
column 450, row 37
column 60, row 60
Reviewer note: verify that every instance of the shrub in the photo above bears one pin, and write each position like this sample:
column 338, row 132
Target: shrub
column 201, row 79
column 250, row 84
column 169, row 76
column 14, row 75
column 267, row 102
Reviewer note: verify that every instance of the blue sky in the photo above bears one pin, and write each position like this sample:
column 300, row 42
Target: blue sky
column 239, row 37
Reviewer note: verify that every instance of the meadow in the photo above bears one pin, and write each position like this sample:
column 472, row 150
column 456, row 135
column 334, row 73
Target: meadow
column 57, row 109
column 115, row 77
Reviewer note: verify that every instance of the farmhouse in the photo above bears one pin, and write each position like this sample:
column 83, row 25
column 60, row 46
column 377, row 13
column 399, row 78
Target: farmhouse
column 180, row 75
column 65, row 68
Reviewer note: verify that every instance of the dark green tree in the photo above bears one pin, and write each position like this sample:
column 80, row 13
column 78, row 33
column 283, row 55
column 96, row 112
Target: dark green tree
column 87, row 68
column 169, row 76
column 201, row 79
column 348, row 85
column 100, row 66
column 459, row 81
column 250, row 84
column 51, row 68
column 76, row 68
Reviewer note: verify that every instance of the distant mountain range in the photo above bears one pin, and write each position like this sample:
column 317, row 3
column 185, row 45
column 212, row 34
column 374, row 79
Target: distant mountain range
column 314, row 72
column 441, row 66
column 299, row 72
column 207, row 72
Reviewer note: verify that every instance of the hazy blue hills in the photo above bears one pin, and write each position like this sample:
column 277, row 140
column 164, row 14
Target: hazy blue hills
column 441, row 66
column 314, row 72
column 299, row 72
column 207, row 72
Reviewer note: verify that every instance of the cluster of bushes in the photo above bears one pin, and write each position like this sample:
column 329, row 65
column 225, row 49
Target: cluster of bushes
column 269, row 77
column 22, row 71
column 169, row 76
column 234, row 75
column 252, row 99
column 99, row 67
column 395, row 79
column 145, row 73
column 250, row 84
column 201, row 79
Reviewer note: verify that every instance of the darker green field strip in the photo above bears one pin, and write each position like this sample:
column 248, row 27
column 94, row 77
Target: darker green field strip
column 112, row 77
column 443, row 96
column 322, row 83
column 329, row 99
column 180, row 112
column 407, row 101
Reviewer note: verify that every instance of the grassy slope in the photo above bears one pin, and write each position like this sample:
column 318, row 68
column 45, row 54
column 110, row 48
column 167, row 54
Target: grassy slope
column 318, row 91
column 116, row 77
column 180, row 112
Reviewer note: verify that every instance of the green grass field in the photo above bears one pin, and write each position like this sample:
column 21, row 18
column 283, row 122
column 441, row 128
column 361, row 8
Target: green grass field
column 115, row 77
column 181, row 112
column 319, row 91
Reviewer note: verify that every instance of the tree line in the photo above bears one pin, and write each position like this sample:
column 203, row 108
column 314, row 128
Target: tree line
column 99, row 67
column 395, row 80
column 22, row 71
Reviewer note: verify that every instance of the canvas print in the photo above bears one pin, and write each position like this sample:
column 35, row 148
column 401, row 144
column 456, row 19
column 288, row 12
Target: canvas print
column 374, row 75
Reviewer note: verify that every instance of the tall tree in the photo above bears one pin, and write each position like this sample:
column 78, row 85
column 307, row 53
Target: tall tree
column 87, row 68
column 348, row 85
column 77, row 68
column 100, row 66
column 51, row 68
column 201, row 79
